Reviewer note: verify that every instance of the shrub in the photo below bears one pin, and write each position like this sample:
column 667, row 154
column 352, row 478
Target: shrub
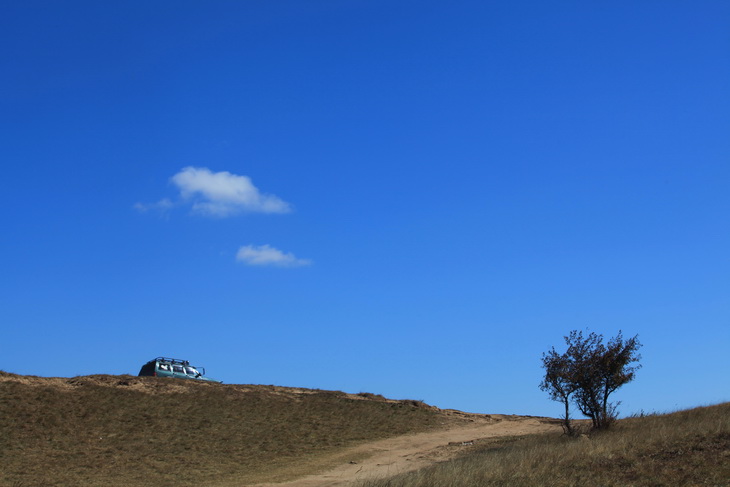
column 587, row 373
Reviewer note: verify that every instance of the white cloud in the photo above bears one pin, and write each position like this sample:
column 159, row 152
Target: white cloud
column 162, row 206
column 266, row 255
column 223, row 194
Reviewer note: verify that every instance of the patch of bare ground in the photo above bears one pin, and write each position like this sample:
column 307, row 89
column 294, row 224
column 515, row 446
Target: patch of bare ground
column 406, row 453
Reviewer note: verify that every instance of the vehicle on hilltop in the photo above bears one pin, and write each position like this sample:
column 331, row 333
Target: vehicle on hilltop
column 176, row 368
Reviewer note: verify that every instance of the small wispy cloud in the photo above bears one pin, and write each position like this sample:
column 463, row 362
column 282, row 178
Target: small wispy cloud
column 223, row 194
column 162, row 206
column 266, row 255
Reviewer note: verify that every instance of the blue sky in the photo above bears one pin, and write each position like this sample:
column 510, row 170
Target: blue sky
column 411, row 198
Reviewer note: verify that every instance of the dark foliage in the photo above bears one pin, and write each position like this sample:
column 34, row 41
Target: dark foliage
column 587, row 373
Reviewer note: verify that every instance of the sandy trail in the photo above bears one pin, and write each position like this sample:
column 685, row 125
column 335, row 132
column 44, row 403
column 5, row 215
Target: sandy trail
column 385, row 458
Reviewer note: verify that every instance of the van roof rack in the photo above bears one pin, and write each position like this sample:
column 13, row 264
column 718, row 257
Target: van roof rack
column 171, row 360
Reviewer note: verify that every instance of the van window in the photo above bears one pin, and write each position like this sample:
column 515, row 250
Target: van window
column 178, row 368
column 148, row 369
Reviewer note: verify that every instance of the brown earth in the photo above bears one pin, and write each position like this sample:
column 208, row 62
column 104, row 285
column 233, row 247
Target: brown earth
column 137, row 431
column 405, row 453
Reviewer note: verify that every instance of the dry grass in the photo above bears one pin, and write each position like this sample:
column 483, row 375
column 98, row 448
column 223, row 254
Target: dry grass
column 139, row 431
column 686, row 448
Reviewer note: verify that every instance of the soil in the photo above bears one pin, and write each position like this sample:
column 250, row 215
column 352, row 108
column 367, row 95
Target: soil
column 104, row 425
column 386, row 458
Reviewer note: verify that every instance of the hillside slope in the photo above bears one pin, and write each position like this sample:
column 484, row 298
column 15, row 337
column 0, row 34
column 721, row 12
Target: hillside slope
column 384, row 459
column 683, row 448
column 126, row 430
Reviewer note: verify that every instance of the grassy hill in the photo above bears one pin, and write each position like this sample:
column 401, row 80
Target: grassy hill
column 107, row 430
column 686, row 448
column 139, row 431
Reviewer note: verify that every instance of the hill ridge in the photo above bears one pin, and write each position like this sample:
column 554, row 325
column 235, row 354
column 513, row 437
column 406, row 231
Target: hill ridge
column 125, row 430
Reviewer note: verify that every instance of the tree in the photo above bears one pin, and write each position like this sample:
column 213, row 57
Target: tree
column 587, row 373
column 557, row 384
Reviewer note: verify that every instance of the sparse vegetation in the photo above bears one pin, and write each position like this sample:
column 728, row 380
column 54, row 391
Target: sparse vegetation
column 587, row 373
column 139, row 431
column 686, row 448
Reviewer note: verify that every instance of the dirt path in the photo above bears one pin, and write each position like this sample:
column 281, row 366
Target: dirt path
column 389, row 457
